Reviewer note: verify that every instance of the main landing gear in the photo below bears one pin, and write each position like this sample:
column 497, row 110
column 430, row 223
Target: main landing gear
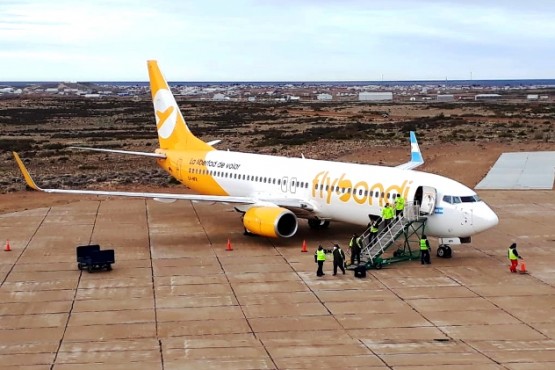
column 444, row 251
column 318, row 224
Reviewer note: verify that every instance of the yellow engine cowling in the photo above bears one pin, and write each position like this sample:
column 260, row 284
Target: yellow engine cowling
column 272, row 222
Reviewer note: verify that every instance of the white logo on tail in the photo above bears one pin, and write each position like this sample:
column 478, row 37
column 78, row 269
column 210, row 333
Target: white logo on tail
column 166, row 113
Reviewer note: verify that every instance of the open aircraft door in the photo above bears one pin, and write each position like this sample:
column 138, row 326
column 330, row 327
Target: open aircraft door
column 428, row 202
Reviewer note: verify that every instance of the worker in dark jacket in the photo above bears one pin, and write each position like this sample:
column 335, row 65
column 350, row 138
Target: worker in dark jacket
column 354, row 245
column 374, row 228
column 338, row 259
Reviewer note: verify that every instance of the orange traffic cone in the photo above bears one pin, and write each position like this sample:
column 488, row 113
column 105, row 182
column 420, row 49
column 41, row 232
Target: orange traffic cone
column 304, row 247
column 229, row 247
column 522, row 267
column 7, row 248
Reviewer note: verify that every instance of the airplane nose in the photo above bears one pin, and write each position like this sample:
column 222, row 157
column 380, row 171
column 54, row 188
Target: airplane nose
column 485, row 219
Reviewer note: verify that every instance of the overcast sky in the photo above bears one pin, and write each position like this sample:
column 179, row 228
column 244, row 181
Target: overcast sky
column 286, row 40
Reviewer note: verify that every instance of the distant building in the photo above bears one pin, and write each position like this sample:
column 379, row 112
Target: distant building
column 218, row 97
column 445, row 98
column 486, row 96
column 375, row 96
column 532, row 97
column 251, row 99
column 324, row 97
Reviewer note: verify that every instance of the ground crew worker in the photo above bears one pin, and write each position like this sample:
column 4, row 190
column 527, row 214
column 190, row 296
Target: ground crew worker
column 387, row 215
column 338, row 259
column 424, row 250
column 320, row 258
column 513, row 257
column 374, row 228
column 399, row 205
column 354, row 245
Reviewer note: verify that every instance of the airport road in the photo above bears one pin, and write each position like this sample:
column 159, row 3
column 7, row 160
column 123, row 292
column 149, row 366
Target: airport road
column 177, row 299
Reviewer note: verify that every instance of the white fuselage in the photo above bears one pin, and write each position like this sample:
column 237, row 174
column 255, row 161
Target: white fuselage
column 344, row 191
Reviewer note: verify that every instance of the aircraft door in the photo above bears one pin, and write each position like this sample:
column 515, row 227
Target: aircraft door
column 293, row 185
column 284, row 184
column 428, row 202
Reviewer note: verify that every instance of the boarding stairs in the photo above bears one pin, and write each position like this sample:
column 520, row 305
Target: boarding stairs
column 409, row 227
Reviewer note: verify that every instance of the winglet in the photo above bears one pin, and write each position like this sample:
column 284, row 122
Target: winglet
column 416, row 158
column 28, row 179
column 415, row 154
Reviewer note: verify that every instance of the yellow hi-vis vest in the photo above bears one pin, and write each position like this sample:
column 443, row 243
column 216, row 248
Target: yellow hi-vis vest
column 423, row 245
column 387, row 213
column 512, row 255
column 320, row 255
column 399, row 203
column 374, row 229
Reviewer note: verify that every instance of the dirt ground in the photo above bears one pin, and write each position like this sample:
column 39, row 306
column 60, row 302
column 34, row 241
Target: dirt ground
column 458, row 140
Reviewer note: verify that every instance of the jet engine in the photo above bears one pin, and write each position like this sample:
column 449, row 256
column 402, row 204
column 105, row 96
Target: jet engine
column 272, row 222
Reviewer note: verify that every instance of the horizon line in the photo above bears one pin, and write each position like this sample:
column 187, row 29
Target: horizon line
column 284, row 81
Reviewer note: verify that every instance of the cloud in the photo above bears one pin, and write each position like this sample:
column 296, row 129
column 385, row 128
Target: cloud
column 270, row 40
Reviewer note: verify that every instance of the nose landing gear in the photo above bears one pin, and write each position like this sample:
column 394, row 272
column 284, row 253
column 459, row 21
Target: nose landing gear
column 444, row 251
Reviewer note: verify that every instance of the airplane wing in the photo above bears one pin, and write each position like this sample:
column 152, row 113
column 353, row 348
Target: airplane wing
column 293, row 204
column 416, row 158
column 155, row 155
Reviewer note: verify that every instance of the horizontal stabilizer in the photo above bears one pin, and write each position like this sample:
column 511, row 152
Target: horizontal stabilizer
column 144, row 154
column 213, row 142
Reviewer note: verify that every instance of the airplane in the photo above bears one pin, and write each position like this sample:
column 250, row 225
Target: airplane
column 273, row 192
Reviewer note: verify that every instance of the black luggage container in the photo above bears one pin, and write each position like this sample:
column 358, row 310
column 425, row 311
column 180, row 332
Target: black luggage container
column 91, row 258
column 360, row 271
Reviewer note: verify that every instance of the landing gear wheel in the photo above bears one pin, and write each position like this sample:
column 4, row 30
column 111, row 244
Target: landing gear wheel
column 444, row 251
column 379, row 266
column 318, row 224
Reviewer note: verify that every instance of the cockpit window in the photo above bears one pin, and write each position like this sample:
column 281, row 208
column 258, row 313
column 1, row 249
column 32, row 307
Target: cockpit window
column 451, row 199
column 470, row 199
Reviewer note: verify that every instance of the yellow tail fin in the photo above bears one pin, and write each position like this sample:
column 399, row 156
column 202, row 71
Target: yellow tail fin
column 173, row 132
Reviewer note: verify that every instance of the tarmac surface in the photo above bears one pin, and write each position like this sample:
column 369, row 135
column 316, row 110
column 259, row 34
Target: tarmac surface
column 176, row 299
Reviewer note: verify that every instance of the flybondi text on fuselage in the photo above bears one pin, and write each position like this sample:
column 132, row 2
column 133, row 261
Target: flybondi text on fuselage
column 325, row 185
